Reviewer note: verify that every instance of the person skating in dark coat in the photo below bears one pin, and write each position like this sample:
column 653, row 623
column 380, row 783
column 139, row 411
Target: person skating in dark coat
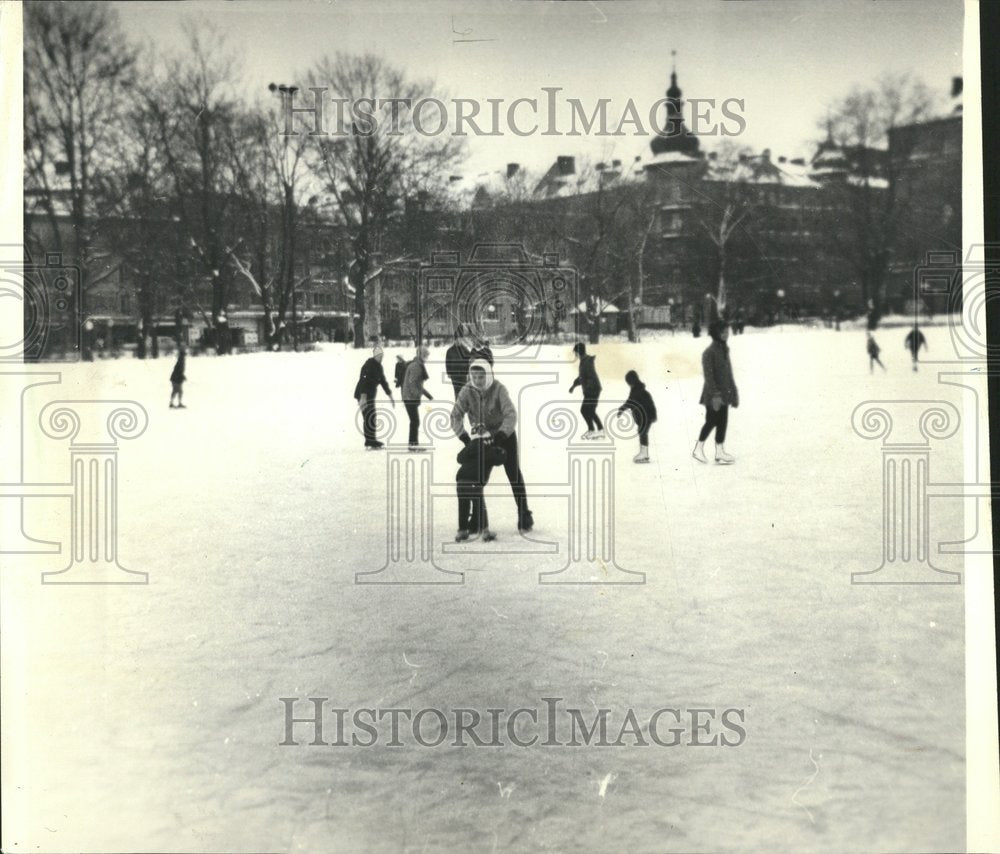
column 463, row 353
column 477, row 460
column 914, row 341
column 717, row 395
column 640, row 404
column 372, row 376
column 413, row 391
column 177, row 379
column 587, row 377
column 873, row 351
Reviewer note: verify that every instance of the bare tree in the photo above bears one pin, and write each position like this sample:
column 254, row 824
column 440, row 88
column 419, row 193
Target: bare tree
column 375, row 165
column 78, row 71
column 196, row 113
column 866, row 231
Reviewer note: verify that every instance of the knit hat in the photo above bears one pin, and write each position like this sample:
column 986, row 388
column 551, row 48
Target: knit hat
column 631, row 378
column 376, row 350
column 580, row 349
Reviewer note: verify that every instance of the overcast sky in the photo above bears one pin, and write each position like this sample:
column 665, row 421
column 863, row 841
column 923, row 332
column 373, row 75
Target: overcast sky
column 787, row 60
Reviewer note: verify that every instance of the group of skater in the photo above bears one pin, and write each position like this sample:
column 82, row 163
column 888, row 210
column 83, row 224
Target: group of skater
column 490, row 441
column 915, row 341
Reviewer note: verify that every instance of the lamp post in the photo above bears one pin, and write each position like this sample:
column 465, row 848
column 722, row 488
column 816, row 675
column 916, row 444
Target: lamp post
column 781, row 303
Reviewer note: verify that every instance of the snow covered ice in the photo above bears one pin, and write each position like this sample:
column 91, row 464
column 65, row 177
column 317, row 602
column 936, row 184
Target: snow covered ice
column 253, row 509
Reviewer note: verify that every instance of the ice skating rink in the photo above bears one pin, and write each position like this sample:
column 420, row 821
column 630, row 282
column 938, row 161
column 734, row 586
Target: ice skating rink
column 155, row 709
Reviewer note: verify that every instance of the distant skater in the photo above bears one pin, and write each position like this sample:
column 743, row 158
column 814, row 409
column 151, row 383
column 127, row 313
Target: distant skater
column 400, row 371
column 587, row 377
column 717, row 395
column 640, row 404
column 873, row 351
column 371, row 377
column 477, row 460
column 413, row 391
column 914, row 341
column 177, row 379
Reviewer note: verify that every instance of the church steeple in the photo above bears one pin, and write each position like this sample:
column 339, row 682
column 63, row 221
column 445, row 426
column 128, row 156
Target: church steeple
column 674, row 136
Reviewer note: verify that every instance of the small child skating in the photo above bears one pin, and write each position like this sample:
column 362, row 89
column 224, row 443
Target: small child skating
column 476, row 461
column 640, row 404
column 873, row 351
column 177, row 380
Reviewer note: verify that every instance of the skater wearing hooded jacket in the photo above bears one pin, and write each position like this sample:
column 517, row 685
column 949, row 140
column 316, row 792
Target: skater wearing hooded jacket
column 488, row 406
column 717, row 395
column 640, row 404
column 372, row 376
column 587, row 377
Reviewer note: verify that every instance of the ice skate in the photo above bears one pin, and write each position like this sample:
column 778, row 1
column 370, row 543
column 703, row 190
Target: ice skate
column 417, row 449
column 699, row 452
column 588, row 435
column 374, row 446
column 642, row 456
column 722, row 458
column 598, row 434
column 526, row 522
column 464, row 536
column 488, row 536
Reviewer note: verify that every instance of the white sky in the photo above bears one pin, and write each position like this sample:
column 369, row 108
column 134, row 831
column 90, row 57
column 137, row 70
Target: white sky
column 788, row 60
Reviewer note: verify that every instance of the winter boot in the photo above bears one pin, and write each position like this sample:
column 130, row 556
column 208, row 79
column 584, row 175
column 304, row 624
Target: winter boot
column 488, row 535
column 722, row 458
column 699, row 452
column 462, row 535
column 526, row 522
column 642, row 456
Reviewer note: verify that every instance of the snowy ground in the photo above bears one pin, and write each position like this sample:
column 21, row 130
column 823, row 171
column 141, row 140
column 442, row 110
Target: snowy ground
column 154, row 714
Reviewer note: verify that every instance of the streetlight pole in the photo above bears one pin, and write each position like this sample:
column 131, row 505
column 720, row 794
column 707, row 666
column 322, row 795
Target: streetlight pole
column 288, row 225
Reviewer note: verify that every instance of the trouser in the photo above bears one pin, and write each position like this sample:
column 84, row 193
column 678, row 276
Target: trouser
column 644, row 437
column 512, row 469
column 413, row 410
column 589, row 412
column 458, row 387
column 715, row 421
column 472, row 514
column 368, row 421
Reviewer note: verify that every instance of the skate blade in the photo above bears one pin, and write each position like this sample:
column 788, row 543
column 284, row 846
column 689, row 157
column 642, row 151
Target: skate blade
column 641, row 461
column 724, row 462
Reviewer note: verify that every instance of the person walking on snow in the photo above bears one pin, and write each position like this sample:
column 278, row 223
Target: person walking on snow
column 488, row 406
column 413, row 391
column 587, row 377
column 717, row 395
column 640, row 404
column 177, row 379
column 873, row 351
column 477, row 460
column 372, row 376
column 914, row 341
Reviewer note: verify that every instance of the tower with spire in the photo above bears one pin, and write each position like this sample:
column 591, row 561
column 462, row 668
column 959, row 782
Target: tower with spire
column 674, row 137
